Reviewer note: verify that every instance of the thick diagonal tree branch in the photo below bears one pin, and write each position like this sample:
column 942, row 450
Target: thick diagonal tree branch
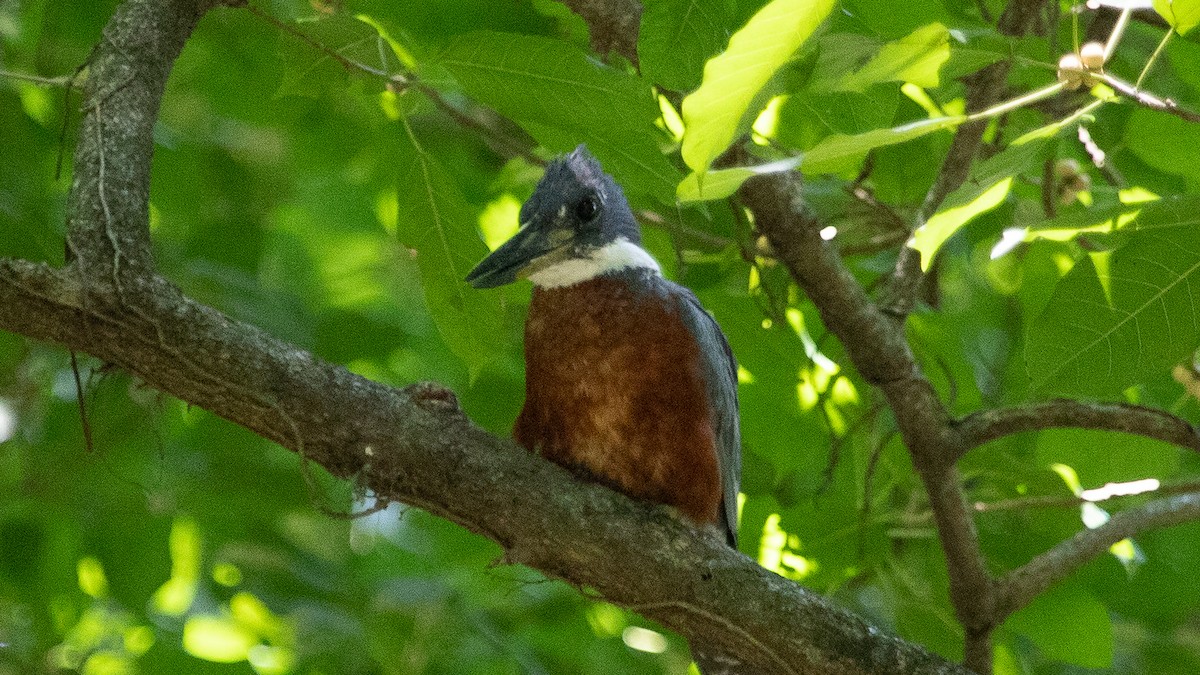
column 413, row 445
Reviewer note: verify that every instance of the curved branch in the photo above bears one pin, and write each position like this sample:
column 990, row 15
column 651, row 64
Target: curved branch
column 989, row 425
column 413, row 445
column 1021, row 586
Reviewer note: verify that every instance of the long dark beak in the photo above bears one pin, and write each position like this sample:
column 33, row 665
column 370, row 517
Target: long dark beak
column 515, row 257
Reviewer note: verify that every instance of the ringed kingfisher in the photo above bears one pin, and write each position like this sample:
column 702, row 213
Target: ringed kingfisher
column 629, row 382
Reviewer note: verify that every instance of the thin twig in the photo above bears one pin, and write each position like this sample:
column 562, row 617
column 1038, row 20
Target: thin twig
column 1072, row 501
column 60, row 81
column 81, row 400
column 1147, row 99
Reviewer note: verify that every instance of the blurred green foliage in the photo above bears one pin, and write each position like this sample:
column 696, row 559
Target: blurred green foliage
column 340, row 214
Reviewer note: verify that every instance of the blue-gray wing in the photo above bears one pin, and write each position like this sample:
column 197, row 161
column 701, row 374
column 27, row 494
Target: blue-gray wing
column 720, row 377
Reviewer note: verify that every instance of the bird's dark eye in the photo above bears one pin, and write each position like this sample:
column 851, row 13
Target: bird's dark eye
column 586, row 209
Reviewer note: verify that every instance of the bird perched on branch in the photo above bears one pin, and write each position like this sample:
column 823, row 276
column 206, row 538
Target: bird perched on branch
column 628, row 380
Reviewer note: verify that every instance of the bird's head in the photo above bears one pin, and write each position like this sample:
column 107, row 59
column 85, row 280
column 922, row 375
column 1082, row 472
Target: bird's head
column 575, row 227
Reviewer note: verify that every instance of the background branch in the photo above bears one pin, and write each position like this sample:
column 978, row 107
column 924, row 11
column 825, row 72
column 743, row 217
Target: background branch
column 988, row 425
column 1022, row 585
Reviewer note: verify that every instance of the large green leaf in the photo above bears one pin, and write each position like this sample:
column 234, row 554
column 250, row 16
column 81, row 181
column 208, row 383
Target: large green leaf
column 678, row 36
column 1183, row 15
column 1068, row 624
column 309, row 71
column 713, row 113
column 1172, row 211
column 1103, row 331
column 563, row 98
column 915, row 58
column 724, row 182
column 435, row 221
column 984, row 189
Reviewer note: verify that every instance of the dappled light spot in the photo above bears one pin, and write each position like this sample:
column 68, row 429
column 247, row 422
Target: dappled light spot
column 8, row 420
column 216, row 639
column 108, row 663
column 387, row 210
column 776, row 552
column 91, row 577
column 175, row 596
column 227, row 574
column 670, row 121
column 644, row 640
column 499, row 220
column 138, row 639
column 606, row 620
column 1124, row 489
column 268, row 660
column 767, row 122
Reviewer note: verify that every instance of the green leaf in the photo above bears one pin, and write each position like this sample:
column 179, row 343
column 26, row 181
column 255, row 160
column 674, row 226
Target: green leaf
column 309, row 71
column 1183, row 15
column 1173, row 211
column 562, row 97
column 435, row 220
column 1165, row 142
column 713, row 113
column 1100, row 333
column 840, row 151
column 1068, row 624
column 915, row 58
column 724, row 182
column 1100, row 457
column 985, row 189
column 678, row 36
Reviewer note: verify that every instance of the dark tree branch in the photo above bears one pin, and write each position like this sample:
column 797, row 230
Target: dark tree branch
column 413, row 445
column 879, row 349
column 984, row 90
column 989, row 425
column 1024, row 584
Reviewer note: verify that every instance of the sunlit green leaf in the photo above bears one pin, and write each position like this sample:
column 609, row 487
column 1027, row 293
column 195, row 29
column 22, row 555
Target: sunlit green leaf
column 309, row 71
column 837, row 152
column 1172, row 211
column 984, row 189
column 915, row 58
column 1183, row 15
column 724, row 182
column 713, row 113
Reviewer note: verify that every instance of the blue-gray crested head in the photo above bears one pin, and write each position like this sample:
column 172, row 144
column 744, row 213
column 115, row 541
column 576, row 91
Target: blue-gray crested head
column 576, row 226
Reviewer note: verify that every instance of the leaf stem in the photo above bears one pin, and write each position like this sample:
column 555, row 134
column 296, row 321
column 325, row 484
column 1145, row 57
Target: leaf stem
column 1153, row 57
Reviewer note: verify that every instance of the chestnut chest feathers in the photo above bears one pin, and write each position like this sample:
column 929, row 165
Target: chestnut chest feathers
column 629, row 381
